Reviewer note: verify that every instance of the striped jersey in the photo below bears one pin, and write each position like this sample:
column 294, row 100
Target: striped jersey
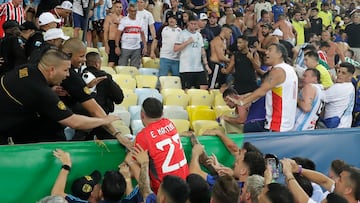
column 280, row 102
column 100, row 10
column 307, row 120
column 9, row 12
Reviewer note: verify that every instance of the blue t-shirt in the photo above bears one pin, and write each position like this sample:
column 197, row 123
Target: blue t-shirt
column 73, row 199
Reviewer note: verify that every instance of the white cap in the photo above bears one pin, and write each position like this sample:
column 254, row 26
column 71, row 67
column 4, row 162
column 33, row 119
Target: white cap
column 277, row 32
column 357, row 8
column 46, row 18
column 203, row 16
column 55, row 33
column 65, row 5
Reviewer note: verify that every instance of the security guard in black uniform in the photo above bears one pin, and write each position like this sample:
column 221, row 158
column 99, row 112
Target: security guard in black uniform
column 75, row 93
column 30, row 109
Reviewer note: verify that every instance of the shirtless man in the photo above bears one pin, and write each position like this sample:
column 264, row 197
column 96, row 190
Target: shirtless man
column 218, row 58
column 249, row 17
column 334, row 49
column 267, row 40
column 286, row 28
column 265, row 19
column 110, row 27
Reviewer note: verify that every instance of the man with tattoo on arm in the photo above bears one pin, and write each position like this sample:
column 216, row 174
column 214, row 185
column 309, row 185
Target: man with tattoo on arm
column 280, row 88
column 162, row 140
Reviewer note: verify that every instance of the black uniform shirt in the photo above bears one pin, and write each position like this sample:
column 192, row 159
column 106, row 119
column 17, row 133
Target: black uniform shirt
column 25, row 95
column 77, row 89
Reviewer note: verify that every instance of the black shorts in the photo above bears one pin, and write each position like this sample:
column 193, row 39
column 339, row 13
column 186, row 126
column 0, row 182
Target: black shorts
column 112, row 56
column 216, row 78
column 193, row 79
column 98, row 25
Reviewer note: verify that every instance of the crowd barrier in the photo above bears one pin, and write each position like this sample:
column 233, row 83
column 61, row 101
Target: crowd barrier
column 27, row 172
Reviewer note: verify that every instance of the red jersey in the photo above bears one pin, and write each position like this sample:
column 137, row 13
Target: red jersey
column 9, row 12
column 167, row 156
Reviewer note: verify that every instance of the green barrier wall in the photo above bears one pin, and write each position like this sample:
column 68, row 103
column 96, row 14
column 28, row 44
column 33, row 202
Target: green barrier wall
column 27, row 172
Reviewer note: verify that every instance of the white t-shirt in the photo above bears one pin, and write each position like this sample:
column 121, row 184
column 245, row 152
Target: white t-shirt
column 190, row 56
column 339, row 101
column 261, row 6
column 77, row 8
column 145, row 18
column 131, row 33
column 169, row 36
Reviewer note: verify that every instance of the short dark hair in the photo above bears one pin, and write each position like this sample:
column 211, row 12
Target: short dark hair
column 279, row 193
column 338, row 166
column 175, row 188
column 113, row 186
column 152, row 107
column 315, row 9
column 243, row 37
column 250, row 147
column 350, row 67
column 229, row 91
column 305, row 162
column 226, row 189
column 354, row 177
column 255, row 162
column 92, row 58
column 335, row 198
column 324, row 44
column 226, row 26
column 304, row 183
column 199, row 189
column 313, row 54
column 282, row 49
column 309, row 47
column 315, row 73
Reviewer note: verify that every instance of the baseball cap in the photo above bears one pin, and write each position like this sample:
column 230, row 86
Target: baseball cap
column 268, row 25
column 357, row 8
column 277, row 32
column 46, row 18
column 214, row 15
column 55, row 33
column 83, row 186
column 10, row 24
column 67, row 5
column 28, row 25
column 203, row 16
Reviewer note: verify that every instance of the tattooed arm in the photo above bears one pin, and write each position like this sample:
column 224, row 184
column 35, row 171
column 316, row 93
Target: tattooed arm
column 142, row 157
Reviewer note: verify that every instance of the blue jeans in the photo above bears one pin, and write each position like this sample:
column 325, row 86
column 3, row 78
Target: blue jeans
column 254, row 126
column 167, row 65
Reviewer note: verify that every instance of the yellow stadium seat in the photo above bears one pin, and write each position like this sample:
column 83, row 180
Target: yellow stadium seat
column 232, row 128
column 68, row 31
column 201, row 98
column 200, row 126
column 125, row 81
column 223, row 110
column 148, row 62
column 148, row 71
column 181, row 125
column 215, row 92
column 196, row 91
column 191, row 108
column 104, row 56
column 219, row 100
column 166, row 92
column 146, row 81
column 92, row 49
column 203, row 114
column 181, row 99
column 170, row 82
column 108, row 69
column 129, row 70
column 130, row 99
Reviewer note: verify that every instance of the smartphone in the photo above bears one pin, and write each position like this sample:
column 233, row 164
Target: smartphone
column 274, row 169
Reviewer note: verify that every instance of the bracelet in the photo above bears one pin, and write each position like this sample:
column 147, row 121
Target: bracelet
column 300, row 169
column 66, row 167
column 290, row 179
column 117, row 132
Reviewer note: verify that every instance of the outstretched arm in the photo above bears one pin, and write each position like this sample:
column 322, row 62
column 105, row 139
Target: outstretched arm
column 60, row 183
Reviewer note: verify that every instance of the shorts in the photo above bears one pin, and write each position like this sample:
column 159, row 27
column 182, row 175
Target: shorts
column 98, row 25
column 79, row 21
column 112, row 56
column 193, row 79
column 216, row 78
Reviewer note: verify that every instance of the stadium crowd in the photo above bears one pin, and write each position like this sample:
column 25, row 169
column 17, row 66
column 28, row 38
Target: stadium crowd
column 281, row 65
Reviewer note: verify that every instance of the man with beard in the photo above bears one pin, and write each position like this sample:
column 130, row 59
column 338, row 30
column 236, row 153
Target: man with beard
column 280, row 87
